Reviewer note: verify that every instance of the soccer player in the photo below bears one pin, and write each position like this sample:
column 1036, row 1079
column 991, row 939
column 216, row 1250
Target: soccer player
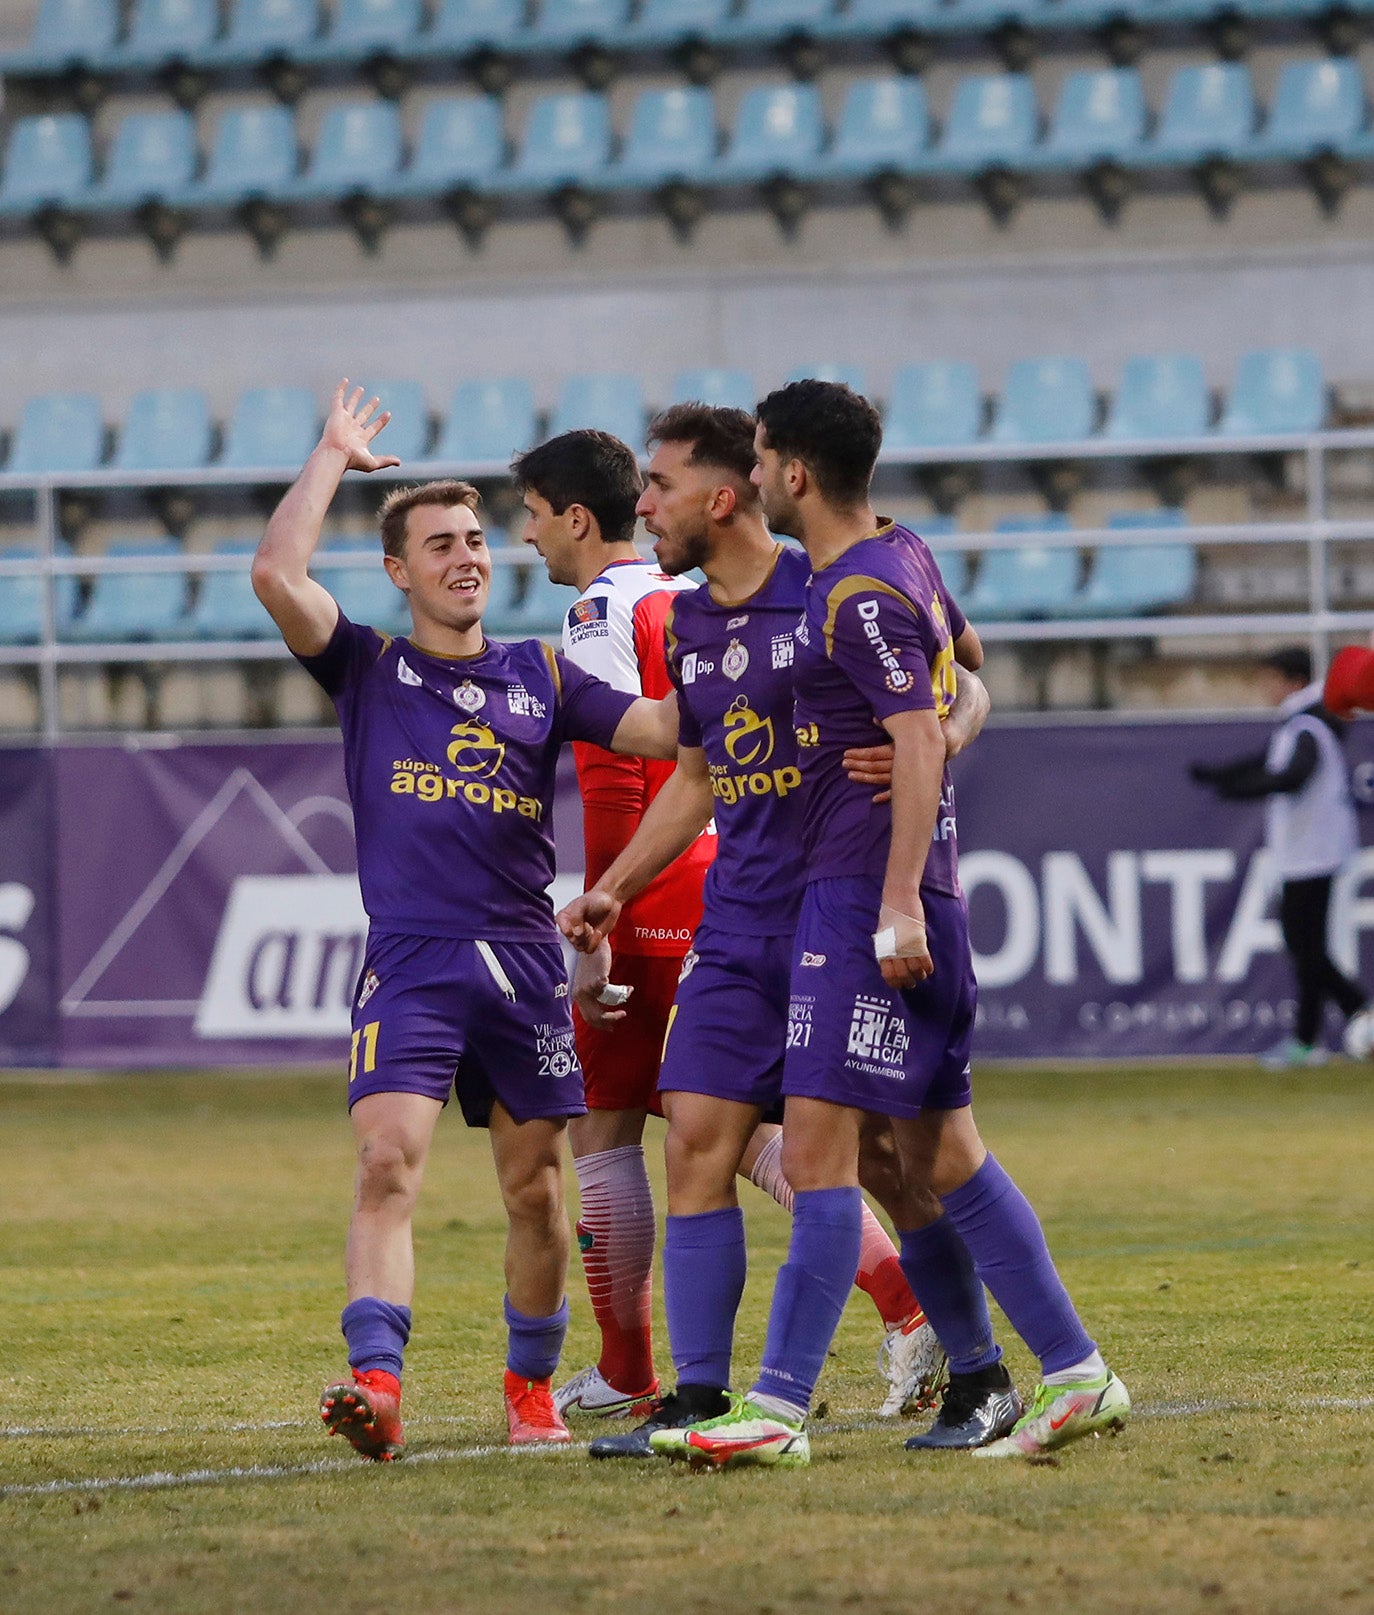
column 730, row 655
column 580, row 490
column 450, row 746
column 882, row 991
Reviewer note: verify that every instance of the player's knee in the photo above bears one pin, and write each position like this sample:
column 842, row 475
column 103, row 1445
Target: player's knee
column 534, row 1198
column 696, row 1163
column 386, row 1171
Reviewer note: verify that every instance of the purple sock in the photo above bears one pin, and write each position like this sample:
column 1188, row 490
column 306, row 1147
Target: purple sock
column 704, row 1264
column 376, row 1332
column 940, row 1271
column 1007, row 1244
column 535, row 1343
column 811, row 1291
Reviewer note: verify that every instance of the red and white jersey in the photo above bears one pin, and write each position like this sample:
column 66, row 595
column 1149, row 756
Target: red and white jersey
column 615, row 631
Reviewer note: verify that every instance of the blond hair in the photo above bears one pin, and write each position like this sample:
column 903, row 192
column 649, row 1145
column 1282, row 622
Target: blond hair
column 399, row 503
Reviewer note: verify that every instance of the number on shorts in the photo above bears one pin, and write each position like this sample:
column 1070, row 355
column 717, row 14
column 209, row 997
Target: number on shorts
column 368, row 1036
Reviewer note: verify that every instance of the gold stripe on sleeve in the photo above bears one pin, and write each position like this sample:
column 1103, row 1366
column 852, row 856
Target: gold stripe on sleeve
column 846, row 589
column 551, row 658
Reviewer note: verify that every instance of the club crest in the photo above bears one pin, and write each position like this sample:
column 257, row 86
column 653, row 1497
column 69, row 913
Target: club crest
column 469, row 697
column 735, row 663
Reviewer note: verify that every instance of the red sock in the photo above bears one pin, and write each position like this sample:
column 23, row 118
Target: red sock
column 880, row 1277
column 616, row 1236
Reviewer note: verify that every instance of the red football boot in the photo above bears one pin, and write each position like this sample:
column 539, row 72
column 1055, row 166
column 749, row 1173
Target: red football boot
column 367, row 1412
column 530, row 1411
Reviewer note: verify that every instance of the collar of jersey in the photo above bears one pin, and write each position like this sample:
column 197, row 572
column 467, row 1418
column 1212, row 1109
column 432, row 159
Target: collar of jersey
column 739, row 605
column 438, row 656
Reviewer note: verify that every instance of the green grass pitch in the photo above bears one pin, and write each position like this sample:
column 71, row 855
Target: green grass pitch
column 170, row 1280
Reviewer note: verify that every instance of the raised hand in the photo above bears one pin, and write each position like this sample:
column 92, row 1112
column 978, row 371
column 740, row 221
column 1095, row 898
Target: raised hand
column 351, row 427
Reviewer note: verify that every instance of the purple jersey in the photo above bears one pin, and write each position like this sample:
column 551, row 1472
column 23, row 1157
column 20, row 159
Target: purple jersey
column 450, row 768
column 877, row 639
column 732, row 666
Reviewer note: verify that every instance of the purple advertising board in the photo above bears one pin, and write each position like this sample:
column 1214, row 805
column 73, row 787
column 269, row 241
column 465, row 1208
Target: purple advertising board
column 198, row 904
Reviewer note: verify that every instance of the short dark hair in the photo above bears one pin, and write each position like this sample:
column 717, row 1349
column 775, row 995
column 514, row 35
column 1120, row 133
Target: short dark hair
column 834, row 431
column 585, row 468
column 1293, row 662
column 719, row 436
column 399, row 503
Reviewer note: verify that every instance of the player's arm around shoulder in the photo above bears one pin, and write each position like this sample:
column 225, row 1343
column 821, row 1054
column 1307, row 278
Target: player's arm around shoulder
column 972, row 704
column 649, row 728
column 305, row 612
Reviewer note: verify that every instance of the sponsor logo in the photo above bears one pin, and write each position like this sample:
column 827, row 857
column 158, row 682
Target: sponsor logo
column 481, row 755
column 594, row 609
column 689, row 961
column 802, row 634
column 371, row 982
column 407, row 674
column 553, row 1048
column 737, row 622
column 783, row 649
column 524, row 705
column 662, row 933
column 731, row 788
column 748, row 737
column 735, row 663
column 812, row 961
column 898, row 679
column 878, row 1038
column 469, row 696
column 561, row 990
column 16, row 909
column 474, row 749
column 808, row 735
column 799, row 1022
column 695, row 666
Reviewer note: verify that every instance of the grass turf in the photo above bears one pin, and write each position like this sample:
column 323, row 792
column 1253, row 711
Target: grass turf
column 170, row 1283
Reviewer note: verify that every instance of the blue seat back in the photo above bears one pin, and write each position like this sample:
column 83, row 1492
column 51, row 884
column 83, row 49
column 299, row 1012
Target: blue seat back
column 1276, row 390
column 544, row 605
column 1160, row 395
column 1317, row 102
column 365, row 594
column 48, row 159
column 724, row 389
column 993, row 118
column 366, row 25
column 172, row 27
column 953, row 563
column 226, row 607
column 1209, row 108
column 933, row 404
column 1033, row 580
column 570, row 22
column 254, row 150
column 166, row 429
column 884, row 121
column 567, row 137
column 81, row 29
column 22, row 602
column 488, row 421
column 501, row 619
column 271, row 426
column 873, row 19
column 472, row 24
column 777, row 127
column 1131, row 578
column 849, row 375
column 685, row 18
column 1045, row 401
column 406, row 434
column 152, row 153
column 1099, row 113
column 265, row 25
column 357, row 143
column 672, row 133
column 58, row 432
column 610, row 403
column 461, row 138
column 135, row 605
column 782, row 17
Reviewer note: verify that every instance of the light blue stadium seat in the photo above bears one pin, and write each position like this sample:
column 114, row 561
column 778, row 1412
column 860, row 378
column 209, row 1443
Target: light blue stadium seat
column 724, row 389
column 953, row 563
column 358, row 148
column 876, row 19
column 567, row 142
column 1276, row 390
column 165, row 31
column 773, row 19
column 271, row 426
column 983, row 16
column 1036, row 580
column 851, row 375
column 610, row 403
column 1160, row 395
column 993, row 123
column 58, row 432
column 488, row 422
column 154, row 154
column 253, row 154
column 66, row 33
column 884, row 125
column 22, row 598
column 47, row 162
column 166, row 429
column 544, row 606
column 1132, row 580
column 261, row 29
column 933, row 405
column 1100, row 114
column 134, row 605
column 226, row 607
column 363, row 28
column 672, row 137
column 1209, row 111
column 565, row 24
column 365, row 593
column 1045, row 401
column 466, row 26
column 1317, row 106
column 778, row 130
column 461, row 145
column 406, row 434
column 501, row 619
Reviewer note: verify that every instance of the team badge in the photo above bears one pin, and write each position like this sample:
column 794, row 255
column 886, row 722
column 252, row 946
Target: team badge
column 469, row 696
column 689, row 960
column 783, row 648
column 370, row 982
column 735, row 663
column 522, row 704
column 407, row 674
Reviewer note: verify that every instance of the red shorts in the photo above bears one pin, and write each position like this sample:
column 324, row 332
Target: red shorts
column 620, row 1062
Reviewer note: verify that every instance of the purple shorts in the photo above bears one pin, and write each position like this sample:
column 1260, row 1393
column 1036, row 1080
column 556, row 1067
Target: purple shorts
column 728, row 1025
column 851, row 1039
column 487, row 1020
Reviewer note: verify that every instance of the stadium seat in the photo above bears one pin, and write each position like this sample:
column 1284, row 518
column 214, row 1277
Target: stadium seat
column 1045, row 401
column 773, row 20
column 851, row 375
column 1209, row 111
column 461, row 145
column 933, row 405
column 65, row 34
column 877, row 19
column 226, row 607
column 725, row 389
column 987, row 16
column 166, row 429
column 567, row 142
column 164, row 31
column 363, row 28
column 253, row 154
column 778, row 130
column 154, row 154
column 1161, row 395
column 271, row 427
column 953, row 563
column 544, row 605
column 1131, row 580
column 262, row 29
column 22, row 598
column 565, row 24
column 1317, row 106
column 47, row 163
column 609, row 403
column 1099, row 114
column 58, row 432
column 365, row 593
column 488, row 422
column 1278, row 390
column 463, row 27
column 993, row 123
column 661, row 23
column 134, row 605
column 501, row 619
column 672, row 137
column 1033, row 581
column 885, row 122
column 358, row 148
column 406, row 434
